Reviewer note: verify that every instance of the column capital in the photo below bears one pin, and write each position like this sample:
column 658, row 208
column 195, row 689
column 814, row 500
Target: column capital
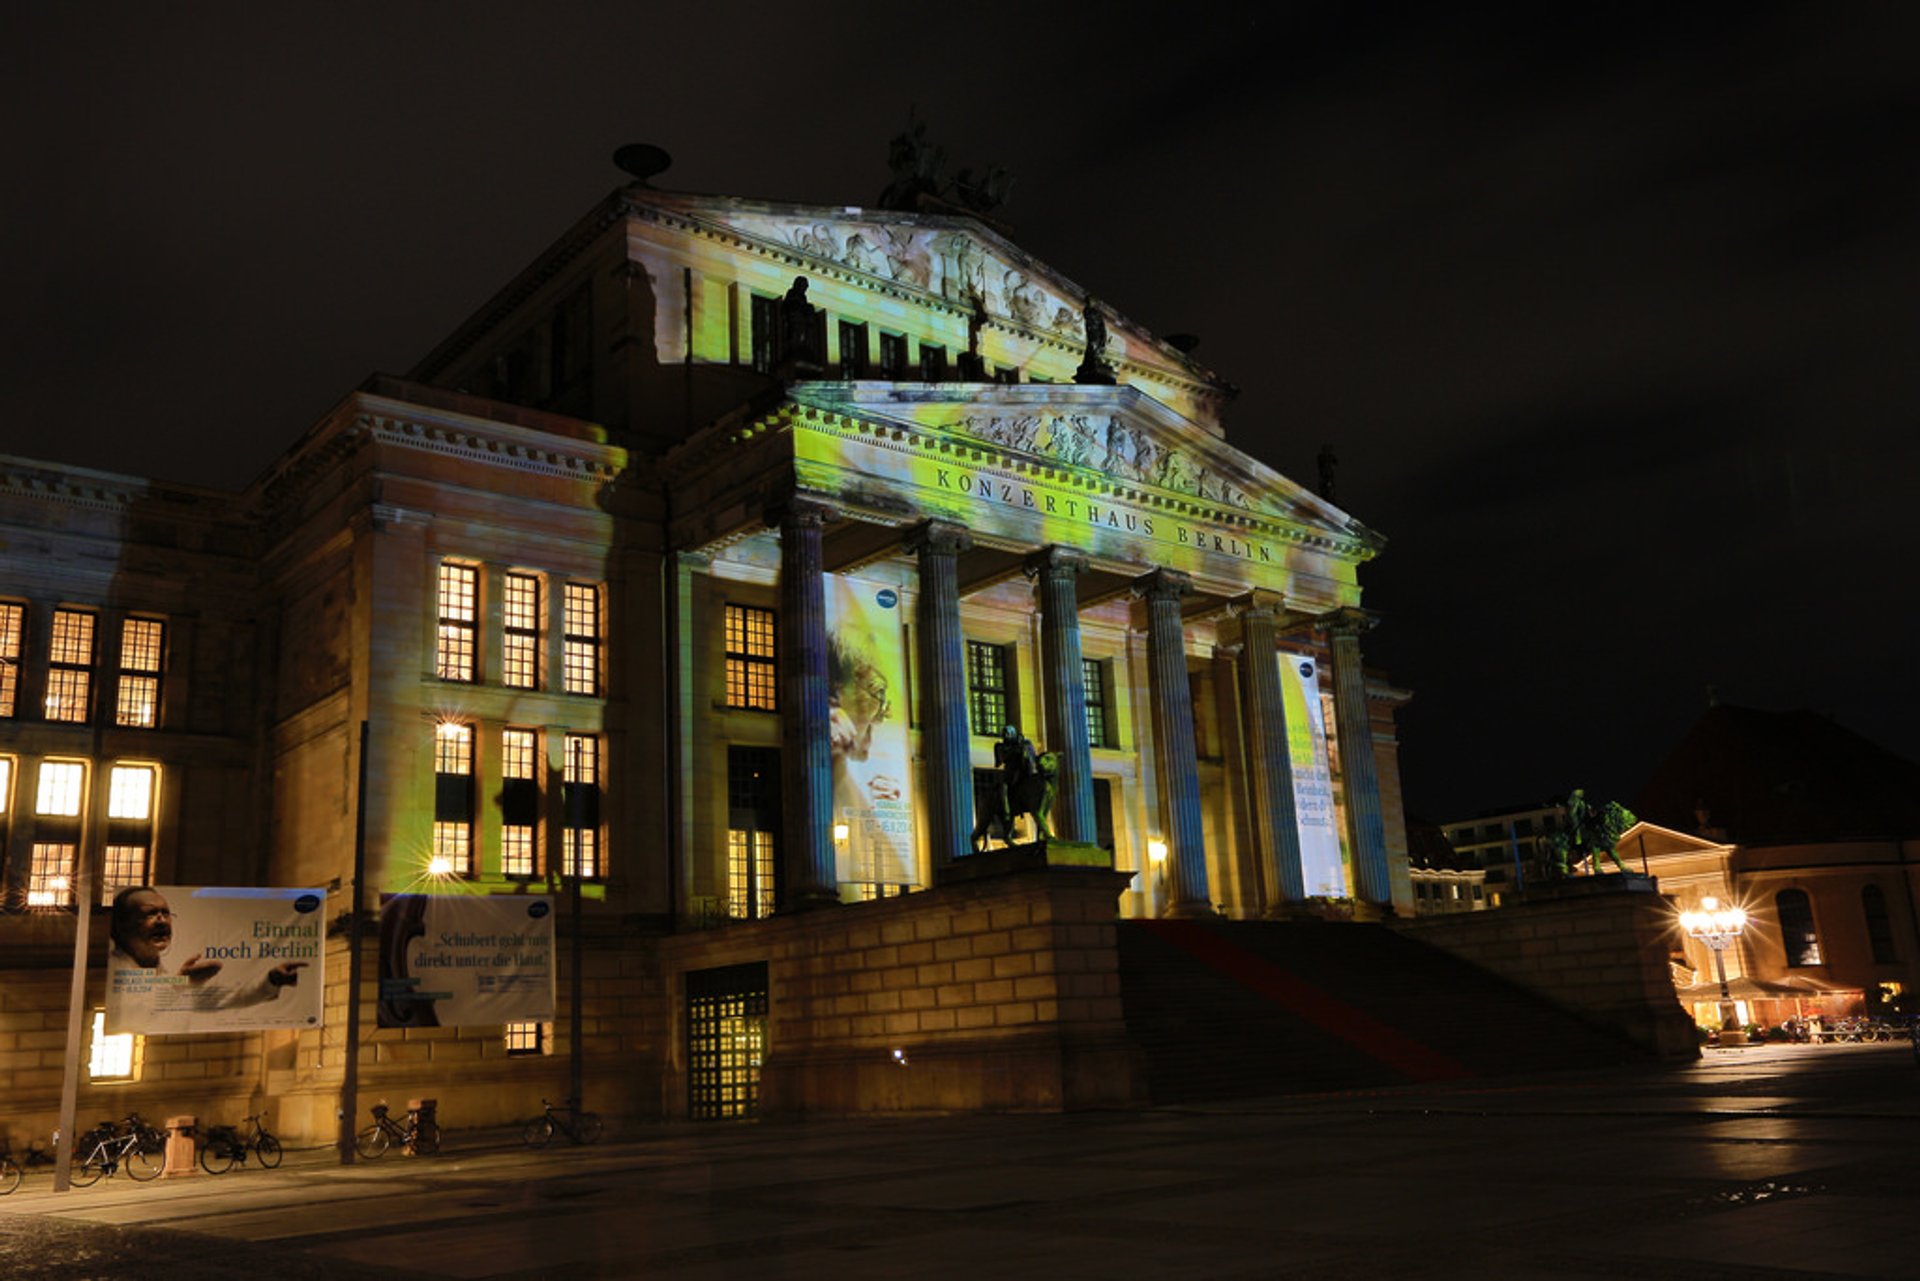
column 798, row 509
column 1348, row 621
column 1055, row 559
column 941, row 537
column 1163, row 584
column 1259, row 603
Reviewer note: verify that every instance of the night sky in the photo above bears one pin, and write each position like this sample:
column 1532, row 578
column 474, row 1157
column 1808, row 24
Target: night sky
column 1611, row 321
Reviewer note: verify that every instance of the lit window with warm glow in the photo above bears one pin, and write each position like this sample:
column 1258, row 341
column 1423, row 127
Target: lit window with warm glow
column 70, row 666
column 6, row 783
column 749, row 874
column 525, row 1038
column 453, row 799
column 989, row 689
column 457, row 641
column 138, row 703
column 130, row 792
column 519, row 801
column 111, row 1058
column 124, row 865
column 581, row 608
column 50, row 875
column 580, row 855
column 61, row 786
column 13, row 627
column 520, row 631
column 750, row 665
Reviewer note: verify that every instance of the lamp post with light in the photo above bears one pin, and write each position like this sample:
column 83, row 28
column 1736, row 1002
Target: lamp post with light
column 1719, row 928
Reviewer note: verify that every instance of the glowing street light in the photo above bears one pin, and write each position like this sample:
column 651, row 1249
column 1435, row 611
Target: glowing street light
column 1719, row 928
column 439, row 865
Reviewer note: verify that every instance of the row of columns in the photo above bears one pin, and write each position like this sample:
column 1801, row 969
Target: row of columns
column 948, row 792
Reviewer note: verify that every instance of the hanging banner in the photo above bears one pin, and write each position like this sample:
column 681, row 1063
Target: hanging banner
column 872, row 761
column 451, row 960
column 196, row 958
column 1320, row 863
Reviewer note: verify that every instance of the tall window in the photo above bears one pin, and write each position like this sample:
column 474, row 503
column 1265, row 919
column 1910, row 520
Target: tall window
column 519, row 802
column 1796, row 927
column 1093, row 673
column 13, row 626
column 139, row 697
column 751, row 675
column 520, row 631
column 129, row 829
column 753, row 819
column 766, row 333
column 50, row 875
column 893, row 357
column 453, row 797
column 111, row 1058
column 853, row 350
column 456, row 643
column 933, row 363
column 70, row 666
column 57, row 805
column 1873, row 903
column 989, row 694
column 583, row 634
column 581, row 803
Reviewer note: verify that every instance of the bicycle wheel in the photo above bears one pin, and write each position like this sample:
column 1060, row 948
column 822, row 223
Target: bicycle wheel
column 217, row 1158
column 372, row 1143
column 88, row 1167
column 539, row 1132
column 267, row 1148
column 10, row 1176
column 588, row 1128
column 426, row 1140
column 140, row 1164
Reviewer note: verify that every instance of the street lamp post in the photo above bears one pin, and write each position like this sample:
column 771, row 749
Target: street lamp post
column 1719, row 928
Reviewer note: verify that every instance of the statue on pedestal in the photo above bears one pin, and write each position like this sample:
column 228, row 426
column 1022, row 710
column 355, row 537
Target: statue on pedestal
column 1025, row 786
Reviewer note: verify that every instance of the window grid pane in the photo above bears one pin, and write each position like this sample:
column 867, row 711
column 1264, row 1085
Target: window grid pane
column 986, row 687
column 130, row 792
column 109, row 1058
column 50, row 877
column 6, row 783
column 125, row 865
column 1094, row 676
column 453, row 749
column 68, row 689
column 516, row 850
column 139, row 701
column 581, row 853
column 72, row 638
column 523, row 1038
column 517, row 754
column 60, row 786
column 459, row 597
column 752, row 677
column 583, row 759
column 13, row 623
column 454, row 842
column 581, row 611
column 520, row 611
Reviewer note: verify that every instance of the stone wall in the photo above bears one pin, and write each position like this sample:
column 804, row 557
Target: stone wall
column 1596, row 950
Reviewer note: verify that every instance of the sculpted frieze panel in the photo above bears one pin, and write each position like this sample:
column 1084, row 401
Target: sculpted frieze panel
column 1111, row 446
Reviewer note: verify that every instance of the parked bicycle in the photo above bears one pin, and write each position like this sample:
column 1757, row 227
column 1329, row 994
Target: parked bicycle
column 132, row 1145
column 10, row 1171
column 580, row 1127
column 420, row 1134
column 226, row 1147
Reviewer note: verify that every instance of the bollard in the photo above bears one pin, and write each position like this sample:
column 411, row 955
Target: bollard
column 182, row 1146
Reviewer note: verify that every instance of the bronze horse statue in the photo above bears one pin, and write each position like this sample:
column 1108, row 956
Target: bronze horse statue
column 1024, row 786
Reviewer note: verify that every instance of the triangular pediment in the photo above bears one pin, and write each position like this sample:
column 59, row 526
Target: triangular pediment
column 1658, row 840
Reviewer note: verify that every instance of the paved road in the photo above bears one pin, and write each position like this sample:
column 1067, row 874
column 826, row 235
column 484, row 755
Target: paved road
column 1773, row 1162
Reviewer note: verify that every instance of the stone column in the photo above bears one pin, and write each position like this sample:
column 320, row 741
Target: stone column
column 806, row 767
column 1270, row 763
column 1063, row 688
column 943, row 697
column 1366, row 829
column 1172, row 700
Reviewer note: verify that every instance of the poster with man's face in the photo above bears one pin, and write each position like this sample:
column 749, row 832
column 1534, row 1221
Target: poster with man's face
column 200, row 958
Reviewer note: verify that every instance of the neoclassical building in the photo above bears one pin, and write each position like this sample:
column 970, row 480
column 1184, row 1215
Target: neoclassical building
column 708, row 563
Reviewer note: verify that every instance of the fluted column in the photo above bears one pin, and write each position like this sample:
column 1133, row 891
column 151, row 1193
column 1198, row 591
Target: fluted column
column 806, row 766
column 1172, row 701
column 1366, row 828
column 1269, row 760
column 943, row 682
column 1064, row 689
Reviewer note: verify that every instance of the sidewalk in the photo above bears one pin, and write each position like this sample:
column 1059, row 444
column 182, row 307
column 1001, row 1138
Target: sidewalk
column 1762, row 1162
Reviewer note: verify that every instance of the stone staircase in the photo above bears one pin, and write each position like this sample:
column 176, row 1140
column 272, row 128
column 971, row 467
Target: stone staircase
column 1239, row 1009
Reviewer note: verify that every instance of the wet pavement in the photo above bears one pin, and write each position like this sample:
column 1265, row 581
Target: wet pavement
column 1763, row 1162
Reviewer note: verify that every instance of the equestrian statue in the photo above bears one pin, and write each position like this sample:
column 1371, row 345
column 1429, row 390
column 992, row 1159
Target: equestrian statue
column 1024, row 785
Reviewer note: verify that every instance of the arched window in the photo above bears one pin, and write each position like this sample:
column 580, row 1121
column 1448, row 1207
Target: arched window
column 1796, row 927
column 1879, row 927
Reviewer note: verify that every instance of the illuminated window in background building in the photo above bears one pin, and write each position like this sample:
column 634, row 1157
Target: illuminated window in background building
column 520, row 770
column 456, row 643
column 520, row 631
column 726, row 1040
column 1873, row 903
column 129, row 829
column 111, row 1058
column 138, row 702
column 753, row 818
column 1796, row 927
column 526, row 1038
column 853, row 350
column 581, row 607
column 13, row 627
column 580, row 802
column 1099, row 710
column 453, row 797
column 989, row 694
column 70, row 665
column 751, row 674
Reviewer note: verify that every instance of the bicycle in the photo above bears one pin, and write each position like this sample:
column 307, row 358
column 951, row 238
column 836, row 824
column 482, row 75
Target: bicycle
column 226, row 1146
column 419, row 1135
column 581, row 1127
column 108, row 1147
column 10, row 1171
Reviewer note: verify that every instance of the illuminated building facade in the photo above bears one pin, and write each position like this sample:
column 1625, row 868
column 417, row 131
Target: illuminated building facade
column 709, row 562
